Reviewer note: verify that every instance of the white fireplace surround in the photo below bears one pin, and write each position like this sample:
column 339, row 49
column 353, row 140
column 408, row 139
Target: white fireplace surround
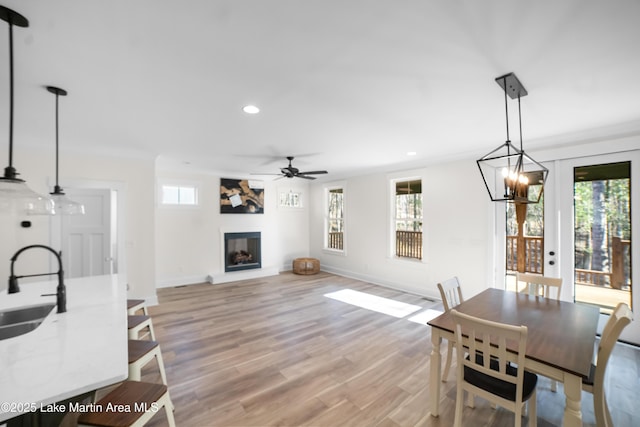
column 233, row 276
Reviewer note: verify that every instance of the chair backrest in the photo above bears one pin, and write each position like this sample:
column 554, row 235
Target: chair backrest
column 619, row 319
column 450, row 292
column 535, row 284
column 490, row 340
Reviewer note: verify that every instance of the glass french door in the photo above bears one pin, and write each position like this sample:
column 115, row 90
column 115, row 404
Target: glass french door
column 599, row 256
column 585, row 231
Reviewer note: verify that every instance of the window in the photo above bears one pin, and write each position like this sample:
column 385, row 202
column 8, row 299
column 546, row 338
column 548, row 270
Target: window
column 335, row 219
column 408, row 218
column 179, row 195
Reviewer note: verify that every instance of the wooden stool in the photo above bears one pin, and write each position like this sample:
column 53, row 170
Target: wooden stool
column 137, row 323
column 140, row 353
column 137, row 400
column 306, row 266
column 134, row 305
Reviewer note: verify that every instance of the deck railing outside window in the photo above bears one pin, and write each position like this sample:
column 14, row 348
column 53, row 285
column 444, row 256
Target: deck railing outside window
column 336, row 240
column 409, row 244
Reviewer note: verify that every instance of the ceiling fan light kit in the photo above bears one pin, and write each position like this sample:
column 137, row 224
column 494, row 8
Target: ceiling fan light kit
column 508, row 172
column 15, row 195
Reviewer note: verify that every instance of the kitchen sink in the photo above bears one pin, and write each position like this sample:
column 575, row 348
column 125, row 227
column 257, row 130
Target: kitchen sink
column 18, row 321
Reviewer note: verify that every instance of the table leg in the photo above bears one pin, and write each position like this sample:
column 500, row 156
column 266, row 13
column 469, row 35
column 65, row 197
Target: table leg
column 436, row 340
column 573, row 394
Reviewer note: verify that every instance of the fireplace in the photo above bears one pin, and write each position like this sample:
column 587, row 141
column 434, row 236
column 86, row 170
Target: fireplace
column 242, row 251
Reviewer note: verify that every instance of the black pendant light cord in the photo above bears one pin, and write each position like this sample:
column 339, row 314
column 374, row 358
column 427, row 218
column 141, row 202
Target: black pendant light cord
column 9, row 171
column 57, row 92
column 57, row 188
column 12, row 18
column 506, row 106
column 520, row 122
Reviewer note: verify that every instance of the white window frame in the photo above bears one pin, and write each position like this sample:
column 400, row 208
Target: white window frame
column 327, row 219
column 392, row 218
column 180, row 184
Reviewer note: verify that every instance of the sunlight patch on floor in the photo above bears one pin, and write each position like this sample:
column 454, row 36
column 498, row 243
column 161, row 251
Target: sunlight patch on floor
column 374, row 303
column 425, row 316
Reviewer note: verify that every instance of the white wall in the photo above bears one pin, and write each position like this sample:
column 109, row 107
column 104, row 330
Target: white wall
column 37, row 167
column 457, row 214
column 188, row 239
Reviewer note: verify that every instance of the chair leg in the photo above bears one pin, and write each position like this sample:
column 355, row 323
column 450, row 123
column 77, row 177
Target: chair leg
column 532, row 409
column 447, row 363
column 459, row 404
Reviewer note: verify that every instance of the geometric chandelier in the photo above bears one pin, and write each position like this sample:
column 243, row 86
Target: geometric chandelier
column 509, row 174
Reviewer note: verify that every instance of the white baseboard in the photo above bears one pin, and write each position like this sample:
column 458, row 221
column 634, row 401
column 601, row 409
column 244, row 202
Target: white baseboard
column 378, row 281
column 181, row 281
column 235, row 276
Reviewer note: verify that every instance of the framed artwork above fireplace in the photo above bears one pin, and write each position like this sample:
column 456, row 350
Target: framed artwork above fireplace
column 241, row 196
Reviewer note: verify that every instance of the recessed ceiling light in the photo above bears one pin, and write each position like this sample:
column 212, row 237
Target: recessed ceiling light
column 411, row 153
column 250, row 109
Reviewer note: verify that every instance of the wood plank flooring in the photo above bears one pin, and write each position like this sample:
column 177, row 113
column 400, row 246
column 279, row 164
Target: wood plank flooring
column 277, row 352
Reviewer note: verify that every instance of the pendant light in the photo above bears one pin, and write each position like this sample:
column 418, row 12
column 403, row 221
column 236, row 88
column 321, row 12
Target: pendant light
column 508, row 172
column 63, row 205
column 15, row 196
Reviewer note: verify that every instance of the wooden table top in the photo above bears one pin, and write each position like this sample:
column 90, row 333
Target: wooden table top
column 561, row 334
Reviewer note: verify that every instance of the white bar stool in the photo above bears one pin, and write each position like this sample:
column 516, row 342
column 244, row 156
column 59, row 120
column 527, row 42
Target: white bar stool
column 138, row 397
column 137, row 323
column 135, row 305
column 141, row 352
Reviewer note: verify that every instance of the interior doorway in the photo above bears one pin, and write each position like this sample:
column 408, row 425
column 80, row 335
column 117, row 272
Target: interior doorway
column 94, row 243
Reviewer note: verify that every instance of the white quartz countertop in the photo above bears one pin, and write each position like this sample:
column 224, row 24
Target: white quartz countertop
column 69, row 353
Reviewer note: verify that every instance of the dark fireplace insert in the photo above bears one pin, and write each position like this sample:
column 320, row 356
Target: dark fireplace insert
column 242, row 251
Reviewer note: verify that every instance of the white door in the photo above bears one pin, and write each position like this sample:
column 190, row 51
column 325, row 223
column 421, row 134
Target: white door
column 573, row 289
column 86, row 239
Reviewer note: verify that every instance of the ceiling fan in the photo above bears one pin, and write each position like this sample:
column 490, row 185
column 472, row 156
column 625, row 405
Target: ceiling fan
column 291, row 172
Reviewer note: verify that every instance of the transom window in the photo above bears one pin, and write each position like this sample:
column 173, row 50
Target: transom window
column 179, row 195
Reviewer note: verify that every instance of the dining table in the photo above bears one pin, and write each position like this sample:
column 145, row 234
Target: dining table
column 560, row 341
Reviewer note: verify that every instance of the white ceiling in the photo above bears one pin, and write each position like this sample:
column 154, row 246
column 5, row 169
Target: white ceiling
column 347, row 86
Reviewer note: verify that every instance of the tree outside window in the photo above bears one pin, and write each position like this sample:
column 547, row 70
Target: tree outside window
column 408, row 218
column 335, row 219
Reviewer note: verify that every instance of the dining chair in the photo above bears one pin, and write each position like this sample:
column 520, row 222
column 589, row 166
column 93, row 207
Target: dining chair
column 594, row 384
column 538, row 285
column 486, row 372
column 451, row 294
column 535, row 284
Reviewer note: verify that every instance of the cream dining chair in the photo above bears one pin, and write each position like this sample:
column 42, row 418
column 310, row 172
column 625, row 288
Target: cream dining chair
column 619, row 319
column 535, row 284
column 487, row 373
column 451, row 295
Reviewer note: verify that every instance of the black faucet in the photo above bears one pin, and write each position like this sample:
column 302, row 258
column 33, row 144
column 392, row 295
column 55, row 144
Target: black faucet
column 61, row 292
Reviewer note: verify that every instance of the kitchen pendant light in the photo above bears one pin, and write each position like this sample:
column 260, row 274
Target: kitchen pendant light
column 15, row 195
column 62, row 204
column 508, row 172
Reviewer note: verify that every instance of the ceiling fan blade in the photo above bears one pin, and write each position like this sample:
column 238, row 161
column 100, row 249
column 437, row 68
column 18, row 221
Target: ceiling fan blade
column 305, row 177
column 312, row 172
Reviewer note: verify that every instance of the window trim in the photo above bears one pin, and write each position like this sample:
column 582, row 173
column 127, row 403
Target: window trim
column 325, row 218
column 180, row 184
column 393, row 180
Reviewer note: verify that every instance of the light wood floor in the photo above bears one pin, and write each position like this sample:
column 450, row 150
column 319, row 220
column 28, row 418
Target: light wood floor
column 277, row 352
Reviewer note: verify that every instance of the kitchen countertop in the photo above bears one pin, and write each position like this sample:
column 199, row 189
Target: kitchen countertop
column 69, row 353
